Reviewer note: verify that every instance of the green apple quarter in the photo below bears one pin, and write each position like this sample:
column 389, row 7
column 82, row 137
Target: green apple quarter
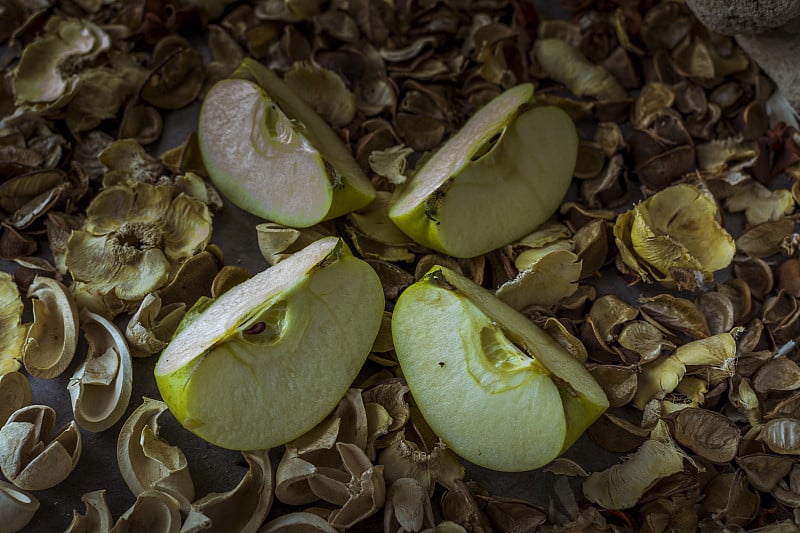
column 492, row 385
column 270, row 358
column 272, row 155
column 497, row 179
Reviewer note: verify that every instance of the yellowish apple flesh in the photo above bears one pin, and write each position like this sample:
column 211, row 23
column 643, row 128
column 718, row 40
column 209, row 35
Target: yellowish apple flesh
column 269, row 359
column 497, row 179
column 492, row 385
column 271, row 154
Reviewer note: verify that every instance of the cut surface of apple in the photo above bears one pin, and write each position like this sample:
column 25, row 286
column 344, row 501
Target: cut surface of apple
column 271, row 154
column 497, row 179
column 492, row 385
column 269, row 359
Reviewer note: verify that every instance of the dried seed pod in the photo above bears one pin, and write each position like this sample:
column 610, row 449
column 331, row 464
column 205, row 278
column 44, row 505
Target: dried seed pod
column 98, row 517
column 391, row 395
column 53, row 337
column 566, row 64
column 373, row 222
column 28, row 457
column 729, row 500
column 17, row 507
column 12, row 332
column 244, row 507
column 147, row 462
column 300, row 522
column 15, row 393
column 710, row 435
column 609, row 313
column 100, row 388
column 676, row 313
column 405, row 507
column 644, row 339
column 459, row 505
column 764, row 240
column 757, row 274
column 546, row 279
column 718, row 309
column 764, row 470
column 617, row 435
column 153, row 510
column 151, row 326
column 228, row 277
column 404, row 458
column 788, row 276
column 556, row 329
column 619, row 383
column 324, row 90
column 759, row 203
column 781, row 435
column 193, row 279
column 779, row 374
column 622, row 485
column 278, row 242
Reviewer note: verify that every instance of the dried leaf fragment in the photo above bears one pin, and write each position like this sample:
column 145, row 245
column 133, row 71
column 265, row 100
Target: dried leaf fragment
column 100, row 389
column 17, row 507
column 147, row 462
column 28, row 457
column 53, row 337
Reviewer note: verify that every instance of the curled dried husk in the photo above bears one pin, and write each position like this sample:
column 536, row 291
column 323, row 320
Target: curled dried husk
column 765, row 239
column 147, row 462
column 244, row 507
column 759, row 203
column 661, row 377
column 153, row 510
column 127, row 162
column 729, row 501
column 551, row 275
column 781, row 374
column 710, row 435
column 566, row 64
column 28, row 457
column 97, row 518
column 15, row 393
column 360, row 496
column 618, row 382
column 403, row 458
column 277, row 242
column 622, row 485
column 12, row 332
column 151, row 326
column 299, row 522
column 100, row 389
column 373, row 222
column 643, row 339
column 675, row 229
column 405, row 506
column 194, row 278
column 178, row 76
column 765, row 470
column 390, row 163
column 781, row 435
column 53, row 337
column 324, row 90
column 617, row 435
column 17, row 507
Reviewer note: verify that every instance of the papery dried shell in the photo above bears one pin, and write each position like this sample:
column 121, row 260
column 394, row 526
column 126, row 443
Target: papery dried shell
column 729, row 500
column 17, row 507
column 718, row 309
column 787, row 275
column 764, row 470
column 590, row 243
column 618, row 382
column 147, row 462
column 556, row 329
column 28, row 457
column 15, row 393
column 151, row 327
column 608, row 313
column 193, row 279
column 100, row 388
column 566, row 64
column 759, row 203
column 764, row 240
column 393, row 278
column 710, row 435
column 403, row 458
column 676, row 313
column 459, row 505
column 644, row 339
column 323, row 90
column 617, row 435
column 549, row 279
column 98, row 517
column 153, row 510
column 277, row 242
column 781, row 435
column 391, row 395
column 304, row 522
column 176, row 80
column 53, row 337
column 757, row 274
column 781, row 374
column 141, row 123
column 406, row 504
column 12, row 332
column 244, row 507
column 227, row 278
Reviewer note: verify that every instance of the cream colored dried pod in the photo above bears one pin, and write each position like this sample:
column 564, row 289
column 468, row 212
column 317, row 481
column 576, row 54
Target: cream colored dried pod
column 147, row 462
column 12, row 332
column 244, row 508
column 53, row 337
column 98, row 517
column 15, row 393
column 298, row 523
column 152, row 325
column 28, row 458
column 100, row 388
column 17, row 507
column 293, row 472
column 154, row 511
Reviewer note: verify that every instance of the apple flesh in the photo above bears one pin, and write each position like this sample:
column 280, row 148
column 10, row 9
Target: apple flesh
column 271, row 357
column 496, row 180
column 492, row 385
column 272, row 155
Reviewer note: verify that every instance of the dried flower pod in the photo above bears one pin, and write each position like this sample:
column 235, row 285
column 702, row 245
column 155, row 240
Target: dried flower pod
column 100, row 388
column 718, row 309
column 278, row 242
column 193, row 279
column 177, row 77
column 12, row 332
column 293, row 472
column 153, row 510
column 759, row 203
column 300, row 522
column 644, row 339
column 781, row 435
column 788, row 277
column 676, row 228
column 404, row 459
column 729, row 500
column 324, row 90
column 53, row 337
column 15, row 393
column 566, row 64
column 764, row 470
column 28, row 457
column 405, row 507
column 151, row 326
column 710, row 435
column 98, row 517
column 244, row 507
column 781, row 374
column 140, row 122
column 622, row 485
column 764, row 240
column 618, row 382
column 17, row 507
column 550, row 275
column 609, row 313
column 147, row 462
column 460, row 506
column 617, row 435
column 676, row 313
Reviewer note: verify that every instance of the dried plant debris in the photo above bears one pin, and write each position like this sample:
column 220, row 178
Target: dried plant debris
column 97, row 517
column 17, row 507
column 12, row 332
column 53, row 337
column 15, row 393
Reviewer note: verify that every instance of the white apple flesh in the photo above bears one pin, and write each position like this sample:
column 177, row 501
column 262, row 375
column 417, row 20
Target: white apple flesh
column 497, row 179
column 269, row 359
column 493, row 386
column 270, row 154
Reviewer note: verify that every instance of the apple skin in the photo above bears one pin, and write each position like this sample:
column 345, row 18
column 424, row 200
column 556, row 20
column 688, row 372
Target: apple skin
column 309, row 177
column 466, row 204
column 319, row 312
column 499, row 409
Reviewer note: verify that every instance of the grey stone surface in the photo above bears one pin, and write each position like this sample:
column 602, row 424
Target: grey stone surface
column 778, row 54
column 733, row 17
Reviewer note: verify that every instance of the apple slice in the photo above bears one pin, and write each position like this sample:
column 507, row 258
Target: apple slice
column 269, row 359
column 496, row 180
column 494, row 387
column 270, row 154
